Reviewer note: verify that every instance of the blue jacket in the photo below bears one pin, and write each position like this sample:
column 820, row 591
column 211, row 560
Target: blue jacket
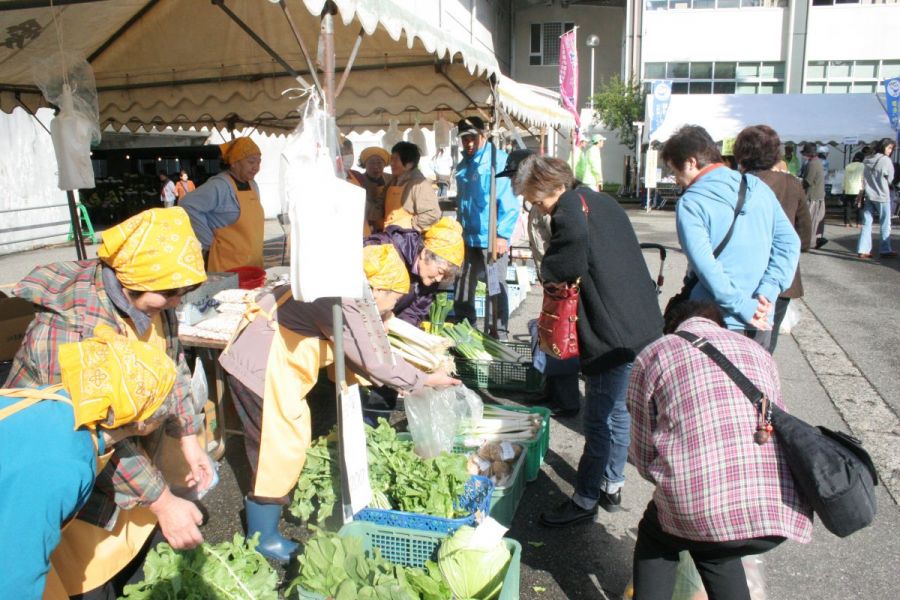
column 473, row 190
column 759, row 260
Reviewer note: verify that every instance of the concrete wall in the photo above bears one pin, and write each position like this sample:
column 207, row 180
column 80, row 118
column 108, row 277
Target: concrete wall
column 483, row 23
column 723, row 34
column 853, row 32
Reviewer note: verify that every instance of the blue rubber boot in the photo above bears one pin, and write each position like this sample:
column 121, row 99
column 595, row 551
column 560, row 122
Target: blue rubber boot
column 264, row 519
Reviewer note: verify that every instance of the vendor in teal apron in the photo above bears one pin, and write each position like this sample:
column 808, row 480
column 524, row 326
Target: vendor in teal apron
column 55, row 439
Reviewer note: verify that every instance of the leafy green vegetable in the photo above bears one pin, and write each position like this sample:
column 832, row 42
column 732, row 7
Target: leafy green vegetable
column 400, row 479
column 339, row 567
column 472, row 570
column 227, row 571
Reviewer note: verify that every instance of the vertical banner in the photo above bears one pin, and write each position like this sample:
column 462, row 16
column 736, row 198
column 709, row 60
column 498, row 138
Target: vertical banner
column 661, row 93
column 892, row 101
column 568, row 75
column 651, row 164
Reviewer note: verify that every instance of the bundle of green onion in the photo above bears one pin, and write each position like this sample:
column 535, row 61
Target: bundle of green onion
column 428, row 352
column 500, row 425
column 440, row 308
column 475, row 345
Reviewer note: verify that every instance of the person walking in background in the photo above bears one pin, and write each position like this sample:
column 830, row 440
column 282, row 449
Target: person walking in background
column 758, row 261
column 183, row 186
column 588, row 164
column 757, row 151
column 791, row 160
column 593, row 242
column 442, row 165
column 813, row 176
column 878, row 173
column 166, row 191
column 719, row 495
column 853, row 185
column 473, row 195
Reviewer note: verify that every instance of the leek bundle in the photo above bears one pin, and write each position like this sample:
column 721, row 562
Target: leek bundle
column 475, row 345
column 500, row 425
column 426, row 351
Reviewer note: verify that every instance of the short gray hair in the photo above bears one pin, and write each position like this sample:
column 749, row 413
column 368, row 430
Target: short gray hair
column 542, row 175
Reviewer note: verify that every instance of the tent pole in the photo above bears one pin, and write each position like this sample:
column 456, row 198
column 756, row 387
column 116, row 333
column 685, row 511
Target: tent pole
column 483, row 114
column 296, row 31
column 350, row 62
column 490, row 326
column 120, row 31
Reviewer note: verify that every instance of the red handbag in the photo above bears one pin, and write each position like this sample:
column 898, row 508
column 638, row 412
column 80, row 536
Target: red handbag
column 558, row 321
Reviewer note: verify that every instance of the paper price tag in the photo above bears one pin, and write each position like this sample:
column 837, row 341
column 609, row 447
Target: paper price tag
column 507, row 452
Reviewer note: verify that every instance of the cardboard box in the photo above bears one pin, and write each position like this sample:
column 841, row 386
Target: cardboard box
column 15, row 316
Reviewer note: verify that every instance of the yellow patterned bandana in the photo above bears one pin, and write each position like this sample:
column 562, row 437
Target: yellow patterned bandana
column 445, row 240
column 384, row 268
column 154, row 250
column 114, row 381
column 238, row 149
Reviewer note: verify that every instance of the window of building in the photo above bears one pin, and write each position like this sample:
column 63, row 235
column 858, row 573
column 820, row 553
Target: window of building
column 849, row 76
column 839, row 2
column 544, row 47
column 712, row 4
column 707, row 77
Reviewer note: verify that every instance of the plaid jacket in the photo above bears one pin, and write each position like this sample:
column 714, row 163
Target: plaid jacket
column 71, row 302
column 692, row 435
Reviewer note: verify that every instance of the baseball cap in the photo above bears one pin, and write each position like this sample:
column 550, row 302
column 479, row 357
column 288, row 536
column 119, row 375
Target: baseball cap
column 470, row 126
column 513, row 161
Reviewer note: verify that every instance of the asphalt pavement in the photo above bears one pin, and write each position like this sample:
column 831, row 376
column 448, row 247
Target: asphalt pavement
column 837, row 369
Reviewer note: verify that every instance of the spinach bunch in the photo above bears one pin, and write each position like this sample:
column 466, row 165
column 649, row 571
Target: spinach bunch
column 400, row 479
column 339, row 568
column 227, row 571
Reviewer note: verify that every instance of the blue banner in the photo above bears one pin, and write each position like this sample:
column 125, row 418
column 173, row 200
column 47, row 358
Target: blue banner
column 892, row 101
column 660, row 94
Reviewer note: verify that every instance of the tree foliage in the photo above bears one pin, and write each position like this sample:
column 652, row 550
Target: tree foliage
column 618, row 104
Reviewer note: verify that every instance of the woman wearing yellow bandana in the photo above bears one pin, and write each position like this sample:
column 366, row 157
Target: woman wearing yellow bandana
column 430, row 258
column 54, row 440
column 226, row 212
column 274, row 361
column 145, row 265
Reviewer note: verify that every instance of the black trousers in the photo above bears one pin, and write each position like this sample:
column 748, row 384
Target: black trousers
column 719, row 563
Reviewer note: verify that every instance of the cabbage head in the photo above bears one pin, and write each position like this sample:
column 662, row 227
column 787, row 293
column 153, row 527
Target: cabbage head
column 472, row 571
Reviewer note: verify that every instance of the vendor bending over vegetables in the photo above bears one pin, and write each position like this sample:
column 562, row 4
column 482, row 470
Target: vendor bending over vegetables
column 274, row 362
column 52, row 447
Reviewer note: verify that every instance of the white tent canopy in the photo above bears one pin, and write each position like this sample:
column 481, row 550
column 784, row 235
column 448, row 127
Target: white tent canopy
column 188, row 63
column 796, row 117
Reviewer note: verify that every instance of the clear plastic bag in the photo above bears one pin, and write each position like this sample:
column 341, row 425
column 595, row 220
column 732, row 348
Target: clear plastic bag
column 434, row 415
column 791, row 318
column 392, row 135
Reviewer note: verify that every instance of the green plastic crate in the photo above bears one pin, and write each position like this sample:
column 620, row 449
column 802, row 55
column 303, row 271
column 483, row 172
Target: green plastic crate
column 500, row 374
column 505, row 500
column 412, row 548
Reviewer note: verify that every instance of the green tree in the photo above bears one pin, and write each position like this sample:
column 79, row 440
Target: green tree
column 617, row 105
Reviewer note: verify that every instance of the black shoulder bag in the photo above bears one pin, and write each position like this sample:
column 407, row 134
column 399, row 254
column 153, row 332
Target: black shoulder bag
column 832, row 470
column 691, row 280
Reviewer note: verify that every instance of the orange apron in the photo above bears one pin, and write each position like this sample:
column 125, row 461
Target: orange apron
column 394, row 213
column 88, row 556
column 54, row 589
column 241, row 243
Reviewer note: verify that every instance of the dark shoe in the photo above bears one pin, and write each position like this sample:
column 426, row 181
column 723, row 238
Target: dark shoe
column 611, row 502
column 888, row 255
column 567, row 513
column 564, row 413
column 865, row 256
column 821, row 242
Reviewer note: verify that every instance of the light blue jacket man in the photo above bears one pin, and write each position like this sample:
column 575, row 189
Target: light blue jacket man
column 473, row 184
column 761, row 256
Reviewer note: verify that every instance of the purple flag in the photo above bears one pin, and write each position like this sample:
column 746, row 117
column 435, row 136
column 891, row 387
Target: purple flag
column 568, row 74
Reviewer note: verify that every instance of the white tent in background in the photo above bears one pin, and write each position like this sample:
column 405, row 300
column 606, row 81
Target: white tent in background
column 824, row 118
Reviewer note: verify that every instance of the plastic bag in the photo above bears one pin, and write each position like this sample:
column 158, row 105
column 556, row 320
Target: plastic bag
column 791, row 318
column 417, row 137
column 392, row 135
column 689, row 586
column 434, row 416
column 442, row 129
column 199, row 386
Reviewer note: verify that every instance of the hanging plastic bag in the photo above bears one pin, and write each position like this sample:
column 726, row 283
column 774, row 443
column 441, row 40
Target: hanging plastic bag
column 199, row 386
column 442, row 129
column 791, row 318
column 392, row 135
column 325, row 212
column 468, row 404
column 417, row 136
column 433, row 420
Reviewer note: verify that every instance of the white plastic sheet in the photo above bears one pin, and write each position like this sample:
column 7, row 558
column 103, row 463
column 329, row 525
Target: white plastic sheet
column 392, row 135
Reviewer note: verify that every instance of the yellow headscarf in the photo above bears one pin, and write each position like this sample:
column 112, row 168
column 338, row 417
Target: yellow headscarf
column 371, row 151
column 114, row 381
column 238, row 149
column 154, row 250
column 444, row 239
column 384, row 268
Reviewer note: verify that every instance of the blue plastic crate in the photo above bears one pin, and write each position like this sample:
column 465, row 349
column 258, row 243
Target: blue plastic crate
column 476, row 500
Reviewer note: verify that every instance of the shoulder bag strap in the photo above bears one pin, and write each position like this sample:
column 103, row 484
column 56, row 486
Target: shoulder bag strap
column 753, row 393
column 742, row 195
column 584, row 206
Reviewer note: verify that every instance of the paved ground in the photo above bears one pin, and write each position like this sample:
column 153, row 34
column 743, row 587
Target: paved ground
column 838, row 369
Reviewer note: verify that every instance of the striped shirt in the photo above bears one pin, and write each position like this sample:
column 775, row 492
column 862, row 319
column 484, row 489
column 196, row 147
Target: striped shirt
column 692, row 436
column 72, row 300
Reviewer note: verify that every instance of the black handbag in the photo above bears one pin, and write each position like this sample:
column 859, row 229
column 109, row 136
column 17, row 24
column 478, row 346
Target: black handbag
column 832, row 470
column 691, row 279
